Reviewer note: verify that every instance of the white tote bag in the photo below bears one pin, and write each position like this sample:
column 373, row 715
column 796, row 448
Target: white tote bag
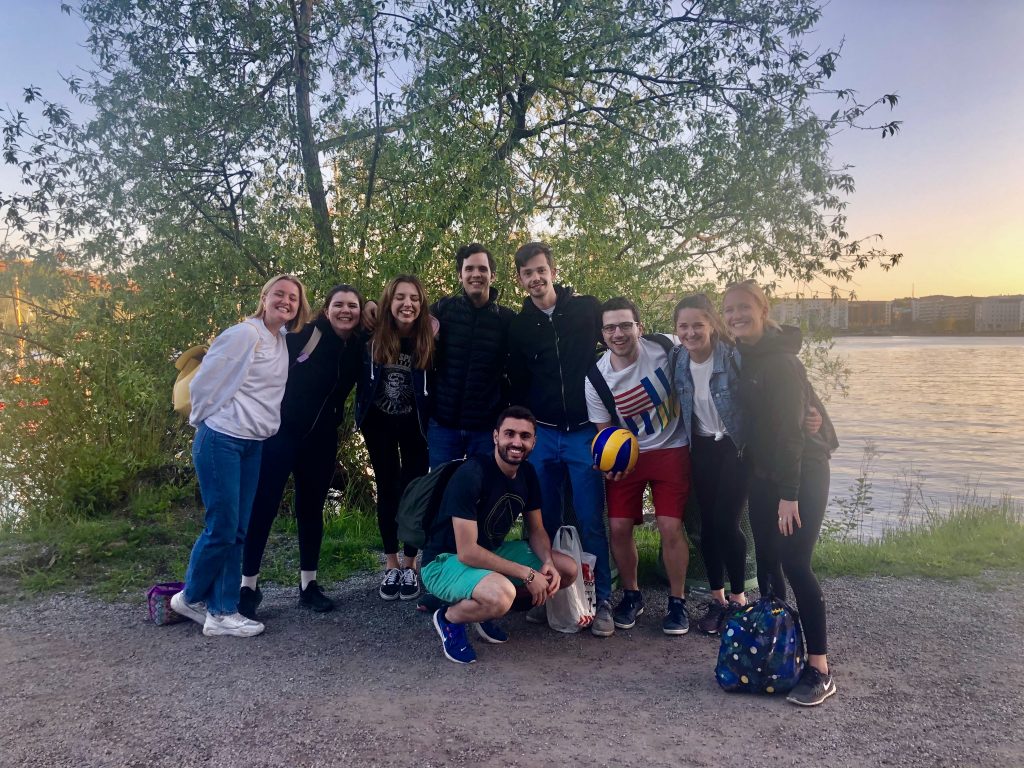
column 569, row 609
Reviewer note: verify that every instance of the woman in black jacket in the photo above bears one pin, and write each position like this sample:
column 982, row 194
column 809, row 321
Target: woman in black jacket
column 324, row 358
column 789, row 486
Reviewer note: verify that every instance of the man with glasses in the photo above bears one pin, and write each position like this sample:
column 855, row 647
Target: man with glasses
column 552, row 344
column 631, row 387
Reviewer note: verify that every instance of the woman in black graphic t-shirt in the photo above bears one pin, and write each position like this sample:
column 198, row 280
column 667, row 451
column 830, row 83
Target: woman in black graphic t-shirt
column 392, row 413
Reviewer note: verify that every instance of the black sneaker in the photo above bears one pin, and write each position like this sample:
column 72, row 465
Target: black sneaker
column 313, row 597
column 390, row 584
column 677, row 620
column 812, row 688
column 429, row 602
column 713, row 619
column 248, row 601
column 409, row 588
column 630, row 606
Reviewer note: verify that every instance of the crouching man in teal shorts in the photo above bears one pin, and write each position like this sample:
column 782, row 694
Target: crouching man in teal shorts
column 467, row 562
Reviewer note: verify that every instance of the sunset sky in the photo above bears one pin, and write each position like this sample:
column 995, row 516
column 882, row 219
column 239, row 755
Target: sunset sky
column 947, row 191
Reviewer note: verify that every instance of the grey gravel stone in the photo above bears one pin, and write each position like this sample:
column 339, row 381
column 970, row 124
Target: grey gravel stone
column 928, row 675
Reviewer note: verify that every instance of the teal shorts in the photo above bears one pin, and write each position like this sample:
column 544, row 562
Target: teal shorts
column 450, row 580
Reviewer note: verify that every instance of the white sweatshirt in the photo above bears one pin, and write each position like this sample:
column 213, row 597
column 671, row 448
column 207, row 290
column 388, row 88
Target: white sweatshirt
column 240, row 383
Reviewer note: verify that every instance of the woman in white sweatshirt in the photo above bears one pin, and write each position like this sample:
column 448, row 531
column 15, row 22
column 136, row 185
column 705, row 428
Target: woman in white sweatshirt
column 236, row 405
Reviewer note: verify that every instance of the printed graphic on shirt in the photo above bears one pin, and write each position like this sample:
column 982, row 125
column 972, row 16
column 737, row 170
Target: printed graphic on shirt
column 650, row 406
column 395, row 397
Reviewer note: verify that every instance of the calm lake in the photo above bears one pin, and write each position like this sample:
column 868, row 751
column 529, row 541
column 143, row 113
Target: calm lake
column 944, row 415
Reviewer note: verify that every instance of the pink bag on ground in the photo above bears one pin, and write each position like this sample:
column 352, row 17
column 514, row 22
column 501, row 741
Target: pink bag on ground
column 158, row 600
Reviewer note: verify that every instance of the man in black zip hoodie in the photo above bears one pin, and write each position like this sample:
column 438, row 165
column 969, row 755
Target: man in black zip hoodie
column 470, row 387
column 552, row 345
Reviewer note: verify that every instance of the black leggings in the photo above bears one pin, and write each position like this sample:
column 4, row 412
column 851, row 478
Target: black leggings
column 312, row 459
column 720, row 483
column 791, row 555
column 398, row 455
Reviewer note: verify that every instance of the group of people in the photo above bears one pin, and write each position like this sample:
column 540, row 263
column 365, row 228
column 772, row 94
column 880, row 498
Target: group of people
column 519, row 395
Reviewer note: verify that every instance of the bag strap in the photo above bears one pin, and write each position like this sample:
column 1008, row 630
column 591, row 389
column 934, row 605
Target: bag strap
column 314, row 339
column 604, row 392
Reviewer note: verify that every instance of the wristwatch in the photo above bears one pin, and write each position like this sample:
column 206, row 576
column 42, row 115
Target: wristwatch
column 529, row 579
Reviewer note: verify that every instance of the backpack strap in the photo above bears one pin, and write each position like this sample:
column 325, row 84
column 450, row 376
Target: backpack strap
column 661, row 340
column 314, row 339
column 604, row 392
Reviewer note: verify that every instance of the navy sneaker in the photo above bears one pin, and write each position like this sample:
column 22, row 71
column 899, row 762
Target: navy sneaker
column 490, row 632
column 248, row 601
column 677, row 620
column 453, row 639
column 631, row 606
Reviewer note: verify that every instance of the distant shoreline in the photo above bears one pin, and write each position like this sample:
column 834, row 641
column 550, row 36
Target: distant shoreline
column 930, row 334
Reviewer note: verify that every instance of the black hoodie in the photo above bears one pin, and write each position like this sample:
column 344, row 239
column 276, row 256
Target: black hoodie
column 549, row 358
column 775, row 392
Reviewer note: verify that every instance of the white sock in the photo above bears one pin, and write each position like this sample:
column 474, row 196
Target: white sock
column 250, row 581
column 306, row 577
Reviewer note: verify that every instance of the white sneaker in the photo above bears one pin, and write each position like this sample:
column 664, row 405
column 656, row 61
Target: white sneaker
column 195, row 611
column 232, row 624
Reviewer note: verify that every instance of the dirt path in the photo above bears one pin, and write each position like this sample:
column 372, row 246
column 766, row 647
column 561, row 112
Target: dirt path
column 928, row 674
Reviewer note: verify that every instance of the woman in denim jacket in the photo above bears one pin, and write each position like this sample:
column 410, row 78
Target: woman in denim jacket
column 706, row 378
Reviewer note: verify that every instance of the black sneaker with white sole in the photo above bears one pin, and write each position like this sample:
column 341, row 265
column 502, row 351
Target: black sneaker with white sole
column 409, row 588
column 390, row 584
column 812, row 688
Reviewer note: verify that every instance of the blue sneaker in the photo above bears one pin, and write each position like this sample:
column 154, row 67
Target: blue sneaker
column 677, row 620
column 453, row 639
column 631, row 606
column 490, row 632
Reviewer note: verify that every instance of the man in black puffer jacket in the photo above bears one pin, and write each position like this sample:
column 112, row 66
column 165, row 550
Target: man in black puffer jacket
column 470, row 388
column 552, row 345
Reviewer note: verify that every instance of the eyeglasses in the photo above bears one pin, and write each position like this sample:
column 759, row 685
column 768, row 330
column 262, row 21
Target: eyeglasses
column 625, row 327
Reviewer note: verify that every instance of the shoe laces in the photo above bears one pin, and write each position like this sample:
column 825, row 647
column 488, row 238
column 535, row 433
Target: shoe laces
column 409, row 578
column 456, row 633
column 392, row 576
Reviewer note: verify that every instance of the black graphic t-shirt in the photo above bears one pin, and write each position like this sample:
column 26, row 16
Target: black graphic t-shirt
column 395, row 396
column 480, row 491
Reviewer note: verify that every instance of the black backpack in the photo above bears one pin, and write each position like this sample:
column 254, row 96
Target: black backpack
column 421, row 501
column 605, row 392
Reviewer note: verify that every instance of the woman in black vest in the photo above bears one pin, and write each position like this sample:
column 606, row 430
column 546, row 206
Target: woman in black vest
column 325, row 359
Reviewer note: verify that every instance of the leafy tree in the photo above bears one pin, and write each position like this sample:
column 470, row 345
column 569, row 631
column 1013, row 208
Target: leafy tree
column 657, row 145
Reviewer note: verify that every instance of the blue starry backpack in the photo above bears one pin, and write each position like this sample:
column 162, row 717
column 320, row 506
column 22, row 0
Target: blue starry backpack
column 762, row 648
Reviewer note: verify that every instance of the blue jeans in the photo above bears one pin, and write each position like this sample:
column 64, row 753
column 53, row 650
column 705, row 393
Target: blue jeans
column 228, row 469
column 446, row 444
column 559, row 454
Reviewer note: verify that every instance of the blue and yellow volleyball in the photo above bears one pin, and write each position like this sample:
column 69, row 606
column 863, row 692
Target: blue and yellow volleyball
column 615, row 450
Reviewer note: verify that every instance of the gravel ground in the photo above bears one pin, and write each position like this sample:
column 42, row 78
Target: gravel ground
column 928, row 675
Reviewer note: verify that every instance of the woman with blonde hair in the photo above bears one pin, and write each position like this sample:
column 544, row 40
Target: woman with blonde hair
column 790, row 479
column 236, row 405
column 392, row 410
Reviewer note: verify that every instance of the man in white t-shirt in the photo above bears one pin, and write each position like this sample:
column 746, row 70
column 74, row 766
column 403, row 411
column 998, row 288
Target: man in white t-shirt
column 630, row 386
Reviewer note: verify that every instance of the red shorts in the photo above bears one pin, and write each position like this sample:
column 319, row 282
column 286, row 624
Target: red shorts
column 667, row 471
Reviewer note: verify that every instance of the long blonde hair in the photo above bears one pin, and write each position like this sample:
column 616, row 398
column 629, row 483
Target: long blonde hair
column 303, row 314
column 755, row 291
column 387, row 342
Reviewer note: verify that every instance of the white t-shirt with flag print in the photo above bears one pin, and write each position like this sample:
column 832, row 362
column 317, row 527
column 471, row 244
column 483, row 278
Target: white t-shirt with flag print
column 644, row 398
